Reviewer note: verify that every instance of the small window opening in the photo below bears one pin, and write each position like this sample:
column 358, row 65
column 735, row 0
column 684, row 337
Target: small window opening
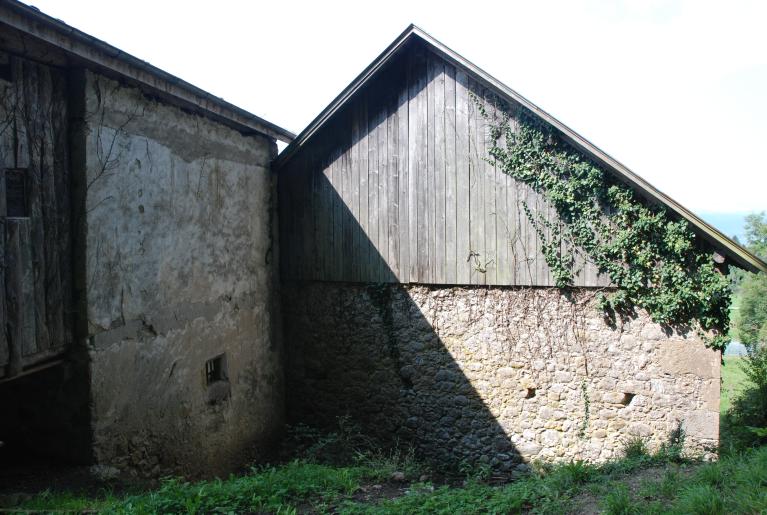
column 215, row 369
column 530, row 393
column 627, row 398
column 16, row 193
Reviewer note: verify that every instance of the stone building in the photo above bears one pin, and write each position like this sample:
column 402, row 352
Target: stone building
column 174, row 290
column 417, row 298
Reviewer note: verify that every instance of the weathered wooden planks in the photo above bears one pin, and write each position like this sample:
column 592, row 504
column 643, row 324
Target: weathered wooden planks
column 431, row 192
column 354, row 203
column 463, row 174
column 419, row 129
column 35, row 246
column 403, row 181
column 392, row 271
column 20, row 290
column 5, row 352
column 440, row 189
column 488, row 172
column 366, row 248
column 382, row 258
column 477, row 180
column 374, row 256
column 412, row 196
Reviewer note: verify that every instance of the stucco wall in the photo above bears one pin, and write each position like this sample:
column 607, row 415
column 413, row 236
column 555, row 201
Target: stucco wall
column 178, row 270
column 496, row 375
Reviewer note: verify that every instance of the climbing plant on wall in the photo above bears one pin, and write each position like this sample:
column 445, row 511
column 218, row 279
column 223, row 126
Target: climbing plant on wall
column 651, row 257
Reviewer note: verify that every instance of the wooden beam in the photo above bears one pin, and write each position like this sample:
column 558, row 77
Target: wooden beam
column 19, row 286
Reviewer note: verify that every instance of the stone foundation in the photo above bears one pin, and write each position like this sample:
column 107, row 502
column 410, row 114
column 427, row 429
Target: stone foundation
column 496, row 375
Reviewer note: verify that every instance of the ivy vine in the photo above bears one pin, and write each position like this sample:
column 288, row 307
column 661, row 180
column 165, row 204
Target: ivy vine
column 651, row 256
column 586, row 410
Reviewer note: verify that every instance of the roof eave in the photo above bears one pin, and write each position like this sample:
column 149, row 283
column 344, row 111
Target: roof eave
column 343, row 97
column 737, row 254
column 30, row 21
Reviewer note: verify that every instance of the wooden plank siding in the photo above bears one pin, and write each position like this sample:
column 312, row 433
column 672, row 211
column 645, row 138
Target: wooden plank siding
column 35, row 245
column 405, row 162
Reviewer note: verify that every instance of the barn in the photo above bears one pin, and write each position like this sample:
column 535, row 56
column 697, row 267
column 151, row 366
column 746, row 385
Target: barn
column 419, row 299
column 173, row 291
column 139, row 299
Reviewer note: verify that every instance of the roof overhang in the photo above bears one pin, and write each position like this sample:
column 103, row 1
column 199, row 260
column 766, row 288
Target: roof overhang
column 89, row 51
column 727, row 247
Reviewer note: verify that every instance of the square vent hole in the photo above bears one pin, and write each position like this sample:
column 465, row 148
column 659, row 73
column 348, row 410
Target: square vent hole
column 627, row 398
column 215, row 369
column 530, row 393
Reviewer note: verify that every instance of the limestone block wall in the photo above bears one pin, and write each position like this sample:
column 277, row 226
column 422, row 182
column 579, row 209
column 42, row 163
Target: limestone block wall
column 178, row 277
column 499, row 375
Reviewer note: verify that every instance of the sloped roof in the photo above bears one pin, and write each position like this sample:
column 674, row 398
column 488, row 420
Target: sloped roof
column 724, row 245
column 84, row 49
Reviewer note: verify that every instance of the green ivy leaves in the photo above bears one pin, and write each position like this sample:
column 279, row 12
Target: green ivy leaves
column 652, row 258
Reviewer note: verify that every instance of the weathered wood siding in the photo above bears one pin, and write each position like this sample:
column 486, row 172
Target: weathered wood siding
column 396, row 188
column 35, row 249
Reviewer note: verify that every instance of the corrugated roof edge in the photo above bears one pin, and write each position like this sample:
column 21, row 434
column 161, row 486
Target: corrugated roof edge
column 730, row 249
column 31, row 21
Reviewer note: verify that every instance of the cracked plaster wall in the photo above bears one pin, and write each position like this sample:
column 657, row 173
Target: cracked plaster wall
column 178, row 270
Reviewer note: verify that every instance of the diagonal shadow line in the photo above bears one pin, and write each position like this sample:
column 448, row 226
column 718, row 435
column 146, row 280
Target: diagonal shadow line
column 368, row 350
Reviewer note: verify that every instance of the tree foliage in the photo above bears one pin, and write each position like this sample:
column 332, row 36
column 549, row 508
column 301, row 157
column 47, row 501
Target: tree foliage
column 750, row 324
column 650, row 255
column 751, row 316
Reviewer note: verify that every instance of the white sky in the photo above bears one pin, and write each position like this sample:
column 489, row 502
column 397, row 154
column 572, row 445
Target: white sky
column 676, row 90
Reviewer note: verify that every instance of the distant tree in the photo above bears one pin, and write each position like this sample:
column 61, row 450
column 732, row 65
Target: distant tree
column 756, row 234
column 749, row 408
column 751, row 317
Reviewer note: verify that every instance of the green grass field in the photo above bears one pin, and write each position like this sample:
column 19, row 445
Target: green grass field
column 641, row 483
column 733, row 379
column 664, row 482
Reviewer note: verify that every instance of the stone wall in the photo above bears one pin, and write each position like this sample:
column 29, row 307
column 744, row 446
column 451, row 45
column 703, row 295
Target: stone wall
column 500, row 375
column 178, row 271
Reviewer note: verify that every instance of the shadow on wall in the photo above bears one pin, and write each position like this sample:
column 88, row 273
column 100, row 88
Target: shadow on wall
column 356, row 341
column 466, row 374
column 44, row 418
column 356, row 346
column 367, row 351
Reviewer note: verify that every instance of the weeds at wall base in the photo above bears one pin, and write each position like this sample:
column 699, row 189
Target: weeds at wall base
column 388, row 481
column 736, row 484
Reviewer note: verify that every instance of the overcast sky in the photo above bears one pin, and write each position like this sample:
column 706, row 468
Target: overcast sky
column 676, row 90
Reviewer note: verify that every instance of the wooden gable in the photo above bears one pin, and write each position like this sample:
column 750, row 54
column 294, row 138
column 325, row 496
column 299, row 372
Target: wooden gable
column 396, row 188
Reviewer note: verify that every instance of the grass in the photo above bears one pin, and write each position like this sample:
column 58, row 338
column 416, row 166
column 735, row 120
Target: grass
column 271, row 490
column 736, row 484
column 640, row 482
column 67, row 501
column 733, row 380
column 619, row 502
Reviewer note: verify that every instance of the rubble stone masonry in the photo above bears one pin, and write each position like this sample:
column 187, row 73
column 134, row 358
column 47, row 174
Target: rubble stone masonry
column 496, row 375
